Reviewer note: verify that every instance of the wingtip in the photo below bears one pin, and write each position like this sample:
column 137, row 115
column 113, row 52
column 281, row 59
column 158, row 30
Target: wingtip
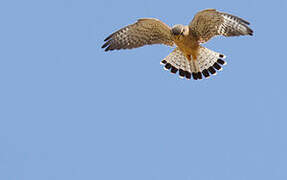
column 250, row 32
column 109, row 37
column 108, row 49
column 246, row 22
column 106, row 44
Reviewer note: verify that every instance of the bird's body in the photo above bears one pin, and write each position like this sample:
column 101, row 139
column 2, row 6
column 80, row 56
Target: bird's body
column 190, row 58
column 188, row 44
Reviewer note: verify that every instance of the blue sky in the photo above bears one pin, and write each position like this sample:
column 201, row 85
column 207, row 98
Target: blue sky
column 68, row 110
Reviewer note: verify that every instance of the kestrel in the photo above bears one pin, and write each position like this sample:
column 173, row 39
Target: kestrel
column 189, row 57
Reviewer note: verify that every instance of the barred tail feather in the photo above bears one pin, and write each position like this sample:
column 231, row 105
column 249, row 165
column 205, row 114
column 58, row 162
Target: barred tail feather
column 207, row 63
column 176, row 61
column 210, row 61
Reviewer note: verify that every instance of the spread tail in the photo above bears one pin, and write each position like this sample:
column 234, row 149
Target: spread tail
column 206, row 64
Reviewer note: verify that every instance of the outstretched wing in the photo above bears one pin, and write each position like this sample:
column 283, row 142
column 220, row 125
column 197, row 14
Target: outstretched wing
column 209, row 23
column 144, row 32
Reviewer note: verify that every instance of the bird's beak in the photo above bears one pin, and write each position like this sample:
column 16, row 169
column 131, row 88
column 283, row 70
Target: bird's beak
column 176, row 32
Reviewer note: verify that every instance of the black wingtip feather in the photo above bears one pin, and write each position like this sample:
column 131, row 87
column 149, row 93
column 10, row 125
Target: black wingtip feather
column 108, row 49
column 199, row 75
column 220, row 61
column 108, row 37
column 168, row 66
column 187, row 75
column 106, row 44
column 182, row 73
column 211, row 70
column 244, row 21
column 194, row 75
column 205, row 73
column 249, row 31
column 164, row 61
column 216, row 66
column 173, row 70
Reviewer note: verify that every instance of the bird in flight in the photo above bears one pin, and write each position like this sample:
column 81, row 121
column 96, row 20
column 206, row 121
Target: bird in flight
column 189, row 58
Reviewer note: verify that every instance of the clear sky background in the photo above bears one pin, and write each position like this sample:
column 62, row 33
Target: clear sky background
column 68, row 110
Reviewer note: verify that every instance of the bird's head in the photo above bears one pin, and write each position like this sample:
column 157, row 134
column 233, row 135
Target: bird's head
column 177, row 30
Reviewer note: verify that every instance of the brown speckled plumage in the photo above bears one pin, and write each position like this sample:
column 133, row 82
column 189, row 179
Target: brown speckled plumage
column 190, row 58
column 144, row 32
